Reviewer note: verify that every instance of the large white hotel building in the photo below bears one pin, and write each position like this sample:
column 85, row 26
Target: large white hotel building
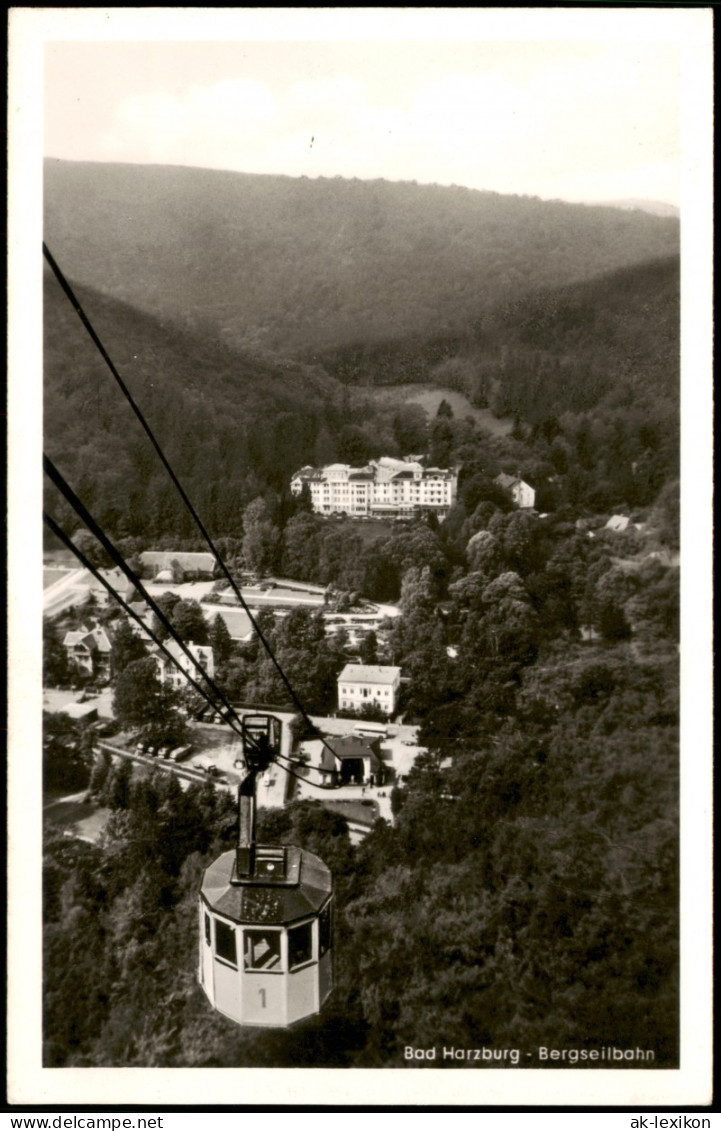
column 385, row 488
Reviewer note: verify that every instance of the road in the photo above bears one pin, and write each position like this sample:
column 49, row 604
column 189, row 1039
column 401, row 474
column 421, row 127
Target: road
column 72, row 589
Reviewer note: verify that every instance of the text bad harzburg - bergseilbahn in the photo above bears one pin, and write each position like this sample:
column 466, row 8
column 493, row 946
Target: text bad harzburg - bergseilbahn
column 542, row 1055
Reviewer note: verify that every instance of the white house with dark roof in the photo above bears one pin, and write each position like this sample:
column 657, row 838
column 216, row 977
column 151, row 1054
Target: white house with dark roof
column 170, row 674
column 345, row 761
column 374, row 685
column 522, row 493
column 88, row 649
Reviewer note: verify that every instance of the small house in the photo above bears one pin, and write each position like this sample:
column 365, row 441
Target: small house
column 88, row 650
column 523, row 495
column 175, row 674
column 618, row 523
column 351, row 761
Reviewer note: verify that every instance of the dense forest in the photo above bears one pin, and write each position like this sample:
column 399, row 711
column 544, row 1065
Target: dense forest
column 527, row 891
column 289, row 264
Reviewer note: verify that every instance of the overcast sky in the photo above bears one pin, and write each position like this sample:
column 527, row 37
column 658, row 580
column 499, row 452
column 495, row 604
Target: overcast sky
column 594, row 118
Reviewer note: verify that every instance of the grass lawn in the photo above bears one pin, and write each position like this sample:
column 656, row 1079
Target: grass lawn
column 430, row 396
column 84, row 818
column 364, row 812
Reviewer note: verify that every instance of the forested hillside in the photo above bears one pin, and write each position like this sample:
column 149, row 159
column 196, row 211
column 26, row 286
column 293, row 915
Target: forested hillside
column 233, row 425
column 608, row 343
column 296, row 264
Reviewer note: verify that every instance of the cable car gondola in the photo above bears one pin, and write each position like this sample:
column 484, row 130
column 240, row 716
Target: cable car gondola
column 265, row 913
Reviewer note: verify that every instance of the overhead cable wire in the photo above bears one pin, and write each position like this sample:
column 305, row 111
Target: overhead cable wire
column 286, row 769
column 281, row 758
column 75, row 303
column 60, row 534
column 70, row 496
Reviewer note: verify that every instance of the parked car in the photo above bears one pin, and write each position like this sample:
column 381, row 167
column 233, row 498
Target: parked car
column 179, row 753
column 207, row 766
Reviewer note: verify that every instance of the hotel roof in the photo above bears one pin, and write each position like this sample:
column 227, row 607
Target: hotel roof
column 369, row 673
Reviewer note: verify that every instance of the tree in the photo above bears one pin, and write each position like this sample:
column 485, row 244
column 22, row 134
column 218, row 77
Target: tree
column 220, row 640
column 120, row 785
column 177, row 571
column 442, row 440
column 485, row 554
column 499, row 627
column 56, row 669
column 261, row 538
column 100, row 774
column 410, row 428
column 166, row 602
column 613, row 590
column 126, row 647
column 189, row 622
column 664, row 516
column 654, row 610
column 301, row 539
column 92, row 549
column 369, row 648
column 141, row 700
column 67, row 753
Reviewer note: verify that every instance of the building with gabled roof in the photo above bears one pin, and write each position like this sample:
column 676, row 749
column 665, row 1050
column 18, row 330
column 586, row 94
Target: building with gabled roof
column 88, row 649
column 175, row 676
column 350, row 760
column 523, row 495
column 376, row 685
